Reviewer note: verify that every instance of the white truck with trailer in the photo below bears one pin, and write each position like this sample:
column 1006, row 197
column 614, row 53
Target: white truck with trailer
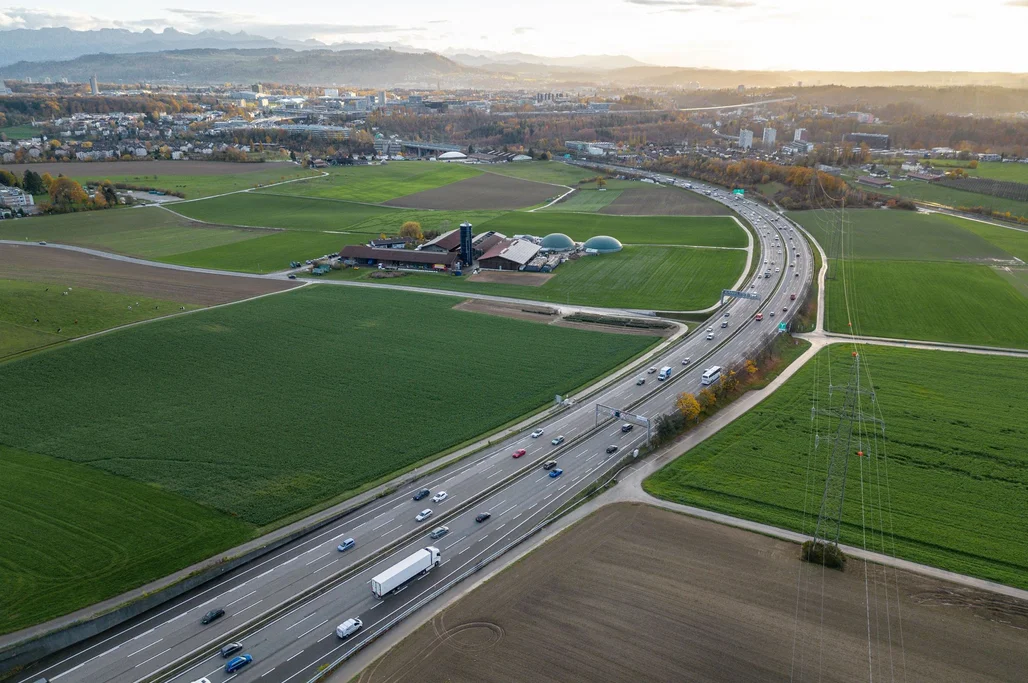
column 403, row 571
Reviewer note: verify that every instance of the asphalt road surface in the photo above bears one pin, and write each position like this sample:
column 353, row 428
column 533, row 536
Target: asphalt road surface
column 296, row 642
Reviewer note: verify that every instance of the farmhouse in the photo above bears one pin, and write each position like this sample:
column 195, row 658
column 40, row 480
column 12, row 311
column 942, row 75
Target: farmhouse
column 874, row 182
column 398, row 258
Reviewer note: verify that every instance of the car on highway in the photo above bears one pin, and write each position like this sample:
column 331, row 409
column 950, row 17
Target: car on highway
column 652, row 370
column 710, row 329
column 549, row 464
column 772, row 314
column 518, row 453
column 482, row 516
column 640, row 381
column 556, row 473
column 537, row 433
column 231, row 649
column 710, row 335
column 686, row 361
column 797, row 274
column 792, row 297
column 612, row 449
column 759, row 317
column 423, row 515
column 440, row 497
column 439, row 532
column 292, row 276
column 237, row 663
column 784, row 309
column 724, row 324
column 212, row 615
column 557, row 440
column 625, row 428
column 348, row 628
column 728, row 314
column 346, row 545
column 422, row 494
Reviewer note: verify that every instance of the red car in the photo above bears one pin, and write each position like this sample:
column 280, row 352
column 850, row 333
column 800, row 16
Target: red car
column 519, row 452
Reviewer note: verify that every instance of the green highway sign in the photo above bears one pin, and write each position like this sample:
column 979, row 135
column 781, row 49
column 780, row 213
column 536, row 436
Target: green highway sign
column 781, row 327
column 739, row 191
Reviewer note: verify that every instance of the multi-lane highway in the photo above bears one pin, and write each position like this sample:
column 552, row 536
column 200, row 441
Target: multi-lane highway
column 290, row 638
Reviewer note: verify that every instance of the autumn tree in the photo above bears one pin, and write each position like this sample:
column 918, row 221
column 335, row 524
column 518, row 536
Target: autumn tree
column 66, row 195
column 109, row 194
column 412, row 229
column 707, row 399
column 688, row 406
column 48, row 180
column 9, row 179
column 600, row 183
column 751, row 367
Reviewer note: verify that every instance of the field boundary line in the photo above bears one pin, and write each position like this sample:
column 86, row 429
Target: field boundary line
column 251, row 189
column 227, row 225
column 927, row 345
column 569, row 191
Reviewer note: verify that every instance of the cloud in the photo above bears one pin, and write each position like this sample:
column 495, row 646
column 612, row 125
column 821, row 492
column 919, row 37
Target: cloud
column 30, row 18
column 1017, row 3
column 691, row 5
column 521, row 30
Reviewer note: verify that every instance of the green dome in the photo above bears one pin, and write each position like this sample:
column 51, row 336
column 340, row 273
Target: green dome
column 602, row 244
column 557, row 241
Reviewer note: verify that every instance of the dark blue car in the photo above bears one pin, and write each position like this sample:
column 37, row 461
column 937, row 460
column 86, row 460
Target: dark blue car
column 556, row 473
column 237, row 663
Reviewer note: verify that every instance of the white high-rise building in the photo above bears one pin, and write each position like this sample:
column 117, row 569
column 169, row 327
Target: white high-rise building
column 799, row 135
column 745, row 138
column 331, row 92
column 770, row 134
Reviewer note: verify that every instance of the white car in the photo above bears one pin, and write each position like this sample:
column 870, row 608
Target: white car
column 439, row 497
column 686, row 361
column 537, row 433
column 710, row 335
column 651, row 370
column 710, row 329
column 423, row 515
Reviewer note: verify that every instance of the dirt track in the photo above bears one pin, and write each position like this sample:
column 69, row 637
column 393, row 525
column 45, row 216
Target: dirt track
column 116, row 168
column 634, row 593
column 485, row 191
column 653, row 201
column 63, row 267
column 512, row 277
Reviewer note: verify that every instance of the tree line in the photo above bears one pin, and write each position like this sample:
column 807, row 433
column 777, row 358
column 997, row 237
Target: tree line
column 64, row 195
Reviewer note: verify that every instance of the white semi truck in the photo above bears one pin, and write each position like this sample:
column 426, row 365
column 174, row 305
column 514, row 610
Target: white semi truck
column 403, row 571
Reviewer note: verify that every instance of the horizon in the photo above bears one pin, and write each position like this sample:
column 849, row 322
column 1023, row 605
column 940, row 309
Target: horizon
column 737, row 35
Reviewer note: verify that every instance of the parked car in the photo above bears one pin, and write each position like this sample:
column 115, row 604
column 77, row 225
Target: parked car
column 346, row 545
column 549, row 464
column 537, row 433
column 556, row 473
column 422, row 494
column 439, row 532
column 231, row 649
column 423, row 515
column 440, row 497
column 212, row 615
column 237, row 663
column 557, row 440
column 482, row 516
column 625, row 428
column 612, row 449
column 518, row 453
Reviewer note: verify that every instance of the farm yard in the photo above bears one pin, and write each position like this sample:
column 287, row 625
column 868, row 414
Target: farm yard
column 121, row 403
column 633, row 592
column 923, row 276
column 956, row 469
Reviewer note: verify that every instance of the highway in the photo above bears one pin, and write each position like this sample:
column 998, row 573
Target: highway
column 290, row 639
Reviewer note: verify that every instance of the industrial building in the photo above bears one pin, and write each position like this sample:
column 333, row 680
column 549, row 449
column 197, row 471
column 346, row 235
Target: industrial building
column 872, row 140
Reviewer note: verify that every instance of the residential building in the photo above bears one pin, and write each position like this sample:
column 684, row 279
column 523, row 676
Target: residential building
column 769, row 137
column 94, row 87
column 13, row 197
column 745, row 138
column 799, row 135
column 990, row 156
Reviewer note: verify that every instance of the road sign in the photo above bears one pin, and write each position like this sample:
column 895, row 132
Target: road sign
column 739, row 191
column 781, row 327
column 739, row 295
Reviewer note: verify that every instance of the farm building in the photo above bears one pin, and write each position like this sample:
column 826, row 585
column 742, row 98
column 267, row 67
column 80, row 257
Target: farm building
column 391, row 243
column 449, row 242
column 398, row 258
column 452, row 156
column 602, row 244
column 508, row 254
column 557, row 241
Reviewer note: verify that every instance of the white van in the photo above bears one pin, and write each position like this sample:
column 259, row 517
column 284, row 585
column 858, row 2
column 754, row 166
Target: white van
column 665, row 372
column 348, row 628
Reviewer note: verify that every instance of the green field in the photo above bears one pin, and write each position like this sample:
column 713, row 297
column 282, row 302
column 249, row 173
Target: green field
column 278, row 211
column 554, row 172
column 586, row 200
column 1012, row 172
column 375, row 184
column 21, row 132
column 147, row 232
column 193, row 186
column 935, row 301
column 79, row 312
column 947, row 196
column 266, row 408
column 75, row 535
column 267, row 254
column 954, row 487
column 1013, row 241
column 649, row 278
column 441, row 221
column 700, row 231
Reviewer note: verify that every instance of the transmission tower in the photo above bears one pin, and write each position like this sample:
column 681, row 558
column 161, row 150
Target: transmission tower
column 850, row 425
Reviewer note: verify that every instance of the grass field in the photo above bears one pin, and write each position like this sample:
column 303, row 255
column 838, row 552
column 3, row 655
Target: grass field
column 935, row 301
column 650, row 278
column 277, row 211
column 149, row 232
column 957, row 470
column 947, row 196
column 376, row 184
column 79, row 312
column 1014, row 241
column 193, row 186
column 266, row 254
column 269, row 407
column 441, row 221
column 75, row 535
column 700, row 231
column 586, row 200
column 997, row 170
column 20, row 132
column 554, row 172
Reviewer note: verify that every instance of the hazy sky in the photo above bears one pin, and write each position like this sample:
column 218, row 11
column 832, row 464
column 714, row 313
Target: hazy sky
column 984, row 35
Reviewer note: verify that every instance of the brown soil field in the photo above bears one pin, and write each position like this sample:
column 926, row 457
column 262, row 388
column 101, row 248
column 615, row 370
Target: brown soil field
column 535, row 314
column 635, row 593
column 151, row 167
column 512, row 278
column 18, row 262
column 485, row 191
column 654, row 201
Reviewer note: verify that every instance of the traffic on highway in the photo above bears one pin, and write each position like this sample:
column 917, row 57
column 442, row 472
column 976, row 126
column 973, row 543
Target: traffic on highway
column 326, row 595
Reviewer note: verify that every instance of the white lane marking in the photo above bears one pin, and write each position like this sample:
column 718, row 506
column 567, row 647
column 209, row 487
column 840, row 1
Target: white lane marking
column 377, row 604
column 540, row 479
column 509, row 509
column 563, row 487
column 291, row 559
column 547, row 496
column 144, row 633
column 240, row 611
column 151, row 659
column 317, row 558
column 326, row 565
column 500, row 527
column 54, row 678
column 264, row 574
column 517, row 515
column 242, row 598
column 455, row 542
column 386, row 533
column 273, row 668
column 302, row 620
column 495, row 474
column 465, row 550
column 142, row 648
column 229, row 678
column 532, row 505
column 324, row 636
column 397, row 507
column 376, row 528
column 174, row 618
column 499, row 504
column 312, row 628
